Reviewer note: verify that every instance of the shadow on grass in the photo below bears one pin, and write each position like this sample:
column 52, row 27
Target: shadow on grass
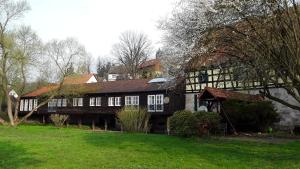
column 216, row 152
column 15, row 156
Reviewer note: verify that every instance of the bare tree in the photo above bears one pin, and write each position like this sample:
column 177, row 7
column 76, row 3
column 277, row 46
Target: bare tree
column 9, row 12
column 132, row 50
column 103, row 67
column 60, row 55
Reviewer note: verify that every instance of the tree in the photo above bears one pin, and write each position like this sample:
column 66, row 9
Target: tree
column 60, row 55
column 132, row 50
column 265, row 38
column 261, row 36
column 9, row 11
column 103, row 67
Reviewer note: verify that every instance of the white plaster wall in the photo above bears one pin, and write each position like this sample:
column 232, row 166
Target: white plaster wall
column 92, row 80
column 288, row 116
column 189, row 101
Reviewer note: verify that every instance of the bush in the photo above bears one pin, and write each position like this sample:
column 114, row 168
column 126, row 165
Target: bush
column 184, row 123
column 134, row 119
column 207, row 121
column 58, row 119
column 253, row 116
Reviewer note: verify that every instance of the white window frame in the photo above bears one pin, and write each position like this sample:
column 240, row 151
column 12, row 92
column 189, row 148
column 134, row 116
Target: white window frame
column 35, row 103
column 64, row 103
column 30, row 103
column 111, row 101
column 117, row 101
column 98, row 101
column 59, row 102
column 132, row 100
column 21, row 105
column 154, row 101
column 159, row 101
column 75, row 101
column 80, row 102
column 151, row 103
column 92, row 101
column 26, row 105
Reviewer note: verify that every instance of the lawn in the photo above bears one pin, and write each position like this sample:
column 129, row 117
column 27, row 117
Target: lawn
column 50, row 147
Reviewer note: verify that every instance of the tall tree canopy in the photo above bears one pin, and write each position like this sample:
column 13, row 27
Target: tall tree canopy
column 260, row 35
column 132, row 50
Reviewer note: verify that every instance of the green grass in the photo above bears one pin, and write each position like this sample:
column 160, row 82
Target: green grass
column 49, row 147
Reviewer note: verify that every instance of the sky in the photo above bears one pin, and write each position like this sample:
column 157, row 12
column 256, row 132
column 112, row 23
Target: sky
column 97, row 24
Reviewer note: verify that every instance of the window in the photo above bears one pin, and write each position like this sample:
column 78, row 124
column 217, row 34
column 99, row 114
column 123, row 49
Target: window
column 151, row 103
column 35, row 103
column 64, row 102
column 52, row 103
column 59, row 102
column 92, row 101
column 111, row 101
column 30, row 104
column 98, row 101
column 80, row 101
column 21, row 105
column 114, row 101
column 159, row 102
column 131, row 100
column 26, row 105
column 74, row 102
column 117, row 101
column 156, row 103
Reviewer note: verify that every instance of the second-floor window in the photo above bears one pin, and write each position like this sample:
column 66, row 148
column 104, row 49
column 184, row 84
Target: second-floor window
column 26, row 105
column 21, row 105
column 156, row 103
column 114, row 101
column 95, row 101
column 77, row 102
column 131, row 100
column 92, row 101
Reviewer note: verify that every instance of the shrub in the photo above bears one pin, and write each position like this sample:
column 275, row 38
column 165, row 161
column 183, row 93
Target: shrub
column 207, row 121
column 134, row 119
column 253, row 116
column 58, row 119
column 184, row 123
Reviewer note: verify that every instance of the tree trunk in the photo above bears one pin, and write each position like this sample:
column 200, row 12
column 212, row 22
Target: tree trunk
column 9, row 109
column 0, row 103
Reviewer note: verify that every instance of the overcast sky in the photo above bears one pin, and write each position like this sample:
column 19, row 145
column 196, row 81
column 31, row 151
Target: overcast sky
column 97, row 24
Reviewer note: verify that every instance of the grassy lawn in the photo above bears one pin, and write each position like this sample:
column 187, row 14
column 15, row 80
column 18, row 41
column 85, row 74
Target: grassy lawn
column 49, row 147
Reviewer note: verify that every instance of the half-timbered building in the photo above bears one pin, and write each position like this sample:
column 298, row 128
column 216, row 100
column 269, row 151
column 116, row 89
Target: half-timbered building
column 216, row 71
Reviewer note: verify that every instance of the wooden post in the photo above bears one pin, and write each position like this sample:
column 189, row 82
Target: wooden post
column 105, row 125
column 79, row 122
column 93, row 124
column 43, row 119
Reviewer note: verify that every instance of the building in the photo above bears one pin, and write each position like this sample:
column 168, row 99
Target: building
column 80, row 79
column 117, row 72
column 216, row 71
column 96, row 104
column 151, row 69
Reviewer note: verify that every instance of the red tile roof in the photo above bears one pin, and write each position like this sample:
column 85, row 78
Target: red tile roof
column 149, row 63
column 78, row 79
column 220, row 94
column 41, row 91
